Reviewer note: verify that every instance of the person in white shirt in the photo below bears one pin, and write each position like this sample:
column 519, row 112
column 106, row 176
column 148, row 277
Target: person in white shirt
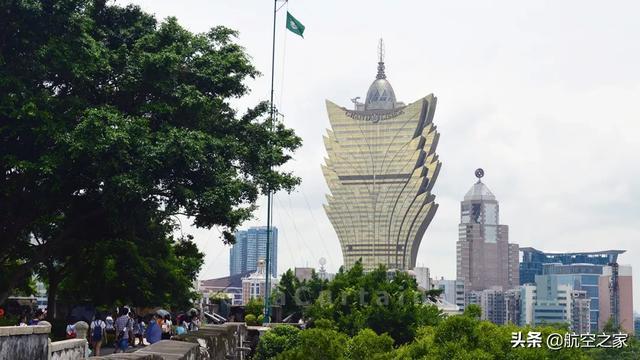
column 97, row 334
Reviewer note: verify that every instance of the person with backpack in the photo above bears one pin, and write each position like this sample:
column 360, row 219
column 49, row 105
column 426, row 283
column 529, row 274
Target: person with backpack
column 98, row 331
column 124, row 326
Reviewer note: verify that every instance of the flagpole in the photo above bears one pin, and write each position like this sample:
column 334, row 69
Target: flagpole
column 267, row 290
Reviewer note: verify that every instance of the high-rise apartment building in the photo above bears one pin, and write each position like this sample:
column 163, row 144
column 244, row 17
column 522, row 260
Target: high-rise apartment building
column 513, row 306
column 582, row 277
column 250, row 247
column 380, row 170
column 580, row 312
column 553, row 301
column 485, row 259
column 452, row 291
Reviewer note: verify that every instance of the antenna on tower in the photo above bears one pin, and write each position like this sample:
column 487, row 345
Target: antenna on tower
column 381, row 51
column 381, row 74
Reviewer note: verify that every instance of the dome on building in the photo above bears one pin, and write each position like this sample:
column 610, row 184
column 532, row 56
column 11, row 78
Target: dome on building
column 479, row 191
column 380, row 96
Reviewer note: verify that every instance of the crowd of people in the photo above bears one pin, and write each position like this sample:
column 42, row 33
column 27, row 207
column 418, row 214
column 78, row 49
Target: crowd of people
column 128, row 329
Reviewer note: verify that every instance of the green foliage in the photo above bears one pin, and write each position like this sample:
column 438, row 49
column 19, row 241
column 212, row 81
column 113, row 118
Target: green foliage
column 430, row 334
column 254, row 307
column 250, row 319
column 465, row 337
column 355, row 301
column 369, row 345
column 260, row 319
column 325, row 324
column 113, row 124
column 276, row 341
column 318, row 344
column 473, row 311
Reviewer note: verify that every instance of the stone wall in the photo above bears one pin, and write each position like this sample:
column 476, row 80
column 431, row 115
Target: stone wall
column 73, row 349
column 24, row 342
column 226, row 341
column 162, row 350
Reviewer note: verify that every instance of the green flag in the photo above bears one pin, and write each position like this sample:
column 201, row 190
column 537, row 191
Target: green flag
column 294, row 25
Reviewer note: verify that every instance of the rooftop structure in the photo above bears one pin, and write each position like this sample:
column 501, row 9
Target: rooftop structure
column 533, row 260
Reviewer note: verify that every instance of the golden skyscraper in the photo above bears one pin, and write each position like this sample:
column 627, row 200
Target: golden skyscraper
column 380, row 170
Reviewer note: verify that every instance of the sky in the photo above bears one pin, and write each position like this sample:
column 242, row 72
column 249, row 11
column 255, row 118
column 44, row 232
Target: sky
column 543, row 95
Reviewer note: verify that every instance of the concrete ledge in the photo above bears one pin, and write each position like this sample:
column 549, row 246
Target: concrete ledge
column 162, row 350
column 24, row 330
column 67, row 344
column 24, row 342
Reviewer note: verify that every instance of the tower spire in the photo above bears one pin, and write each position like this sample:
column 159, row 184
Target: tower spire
column 381, row 74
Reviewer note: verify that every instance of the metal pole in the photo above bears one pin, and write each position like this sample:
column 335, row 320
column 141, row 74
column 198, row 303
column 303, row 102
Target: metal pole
column 267, row 290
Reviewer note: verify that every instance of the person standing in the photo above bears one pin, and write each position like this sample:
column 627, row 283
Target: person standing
column 138, row 331
column 167, row 327
column 154, row 330
column 123, row 326
column 98, row 333
column 111, row 330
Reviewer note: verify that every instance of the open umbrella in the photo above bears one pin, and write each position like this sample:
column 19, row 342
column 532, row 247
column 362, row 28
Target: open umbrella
column 163, row 312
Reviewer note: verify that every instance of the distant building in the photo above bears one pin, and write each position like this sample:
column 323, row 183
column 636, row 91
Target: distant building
column 228, row 286
column 485, row 259
column 512, row 306
column 422, row 277
column 616, row 297
column 636, row 322
column 579, row 277
column 553, row 301
column 250, row 246
column 527, row 302
column 254, row 285
column 493, row 307
column 580, row 312
column 452, row 291
column 303, row 273
column 533, row 260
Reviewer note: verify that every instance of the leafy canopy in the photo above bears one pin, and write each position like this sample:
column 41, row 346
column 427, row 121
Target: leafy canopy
column 112, row 124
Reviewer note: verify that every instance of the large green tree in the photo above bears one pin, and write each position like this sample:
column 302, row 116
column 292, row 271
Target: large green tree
column 355, row 300
column 111, row 124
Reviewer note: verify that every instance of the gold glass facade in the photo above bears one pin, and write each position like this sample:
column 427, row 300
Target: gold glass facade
column 380, row 170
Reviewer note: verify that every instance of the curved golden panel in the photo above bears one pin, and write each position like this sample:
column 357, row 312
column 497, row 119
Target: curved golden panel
column 380, row 170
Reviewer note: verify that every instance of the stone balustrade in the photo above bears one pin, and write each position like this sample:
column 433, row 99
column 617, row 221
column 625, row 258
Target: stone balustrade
column 71, row 349
column 25, row 342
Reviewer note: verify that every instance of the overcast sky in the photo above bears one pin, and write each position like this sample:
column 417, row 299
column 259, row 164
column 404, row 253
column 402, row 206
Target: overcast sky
column 543, row 95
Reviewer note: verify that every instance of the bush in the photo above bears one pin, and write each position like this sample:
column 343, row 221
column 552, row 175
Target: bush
column 254, row 307
column 260, row 319
column 369, row 345
column 250, row 319
column 318, row 344
column 276, row 341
